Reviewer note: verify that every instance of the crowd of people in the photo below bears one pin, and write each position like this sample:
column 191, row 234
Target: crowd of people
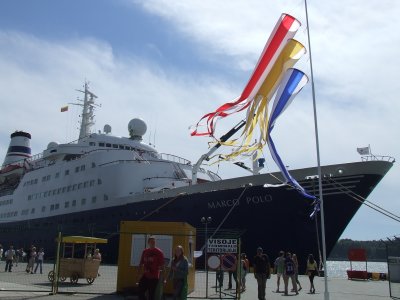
column 32, row 256
column 285, row 266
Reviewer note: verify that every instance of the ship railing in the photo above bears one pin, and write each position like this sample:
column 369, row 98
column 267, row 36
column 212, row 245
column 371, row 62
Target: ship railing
column 214, row 175
column 174, row 158
column 378, row 158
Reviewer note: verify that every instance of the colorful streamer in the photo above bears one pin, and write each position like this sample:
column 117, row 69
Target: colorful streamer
column 284, row 30
column 292, row 83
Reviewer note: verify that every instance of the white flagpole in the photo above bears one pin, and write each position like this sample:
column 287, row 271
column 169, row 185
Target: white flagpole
column 326, row 293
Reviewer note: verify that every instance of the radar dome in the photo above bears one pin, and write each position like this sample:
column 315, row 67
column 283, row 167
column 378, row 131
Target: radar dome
column 107, row 128
column 137, row 128
column 52, row 145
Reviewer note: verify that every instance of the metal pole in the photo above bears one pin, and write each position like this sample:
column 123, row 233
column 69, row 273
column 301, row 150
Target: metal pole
column 205, row 260
column 326, row 293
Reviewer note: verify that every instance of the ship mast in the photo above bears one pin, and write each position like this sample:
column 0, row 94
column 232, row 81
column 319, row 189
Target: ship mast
column 88, row 106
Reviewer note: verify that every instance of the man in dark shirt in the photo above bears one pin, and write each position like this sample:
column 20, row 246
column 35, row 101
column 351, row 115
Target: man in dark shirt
column 261, row 271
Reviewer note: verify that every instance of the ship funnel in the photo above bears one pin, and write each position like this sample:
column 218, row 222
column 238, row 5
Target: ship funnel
column 19, row 149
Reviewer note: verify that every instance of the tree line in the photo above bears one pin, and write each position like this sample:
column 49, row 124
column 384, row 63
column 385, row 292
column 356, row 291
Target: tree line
column 376, row 250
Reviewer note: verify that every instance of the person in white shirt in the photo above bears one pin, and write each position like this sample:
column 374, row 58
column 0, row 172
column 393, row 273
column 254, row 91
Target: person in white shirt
column 10, row 256
column 39, row 260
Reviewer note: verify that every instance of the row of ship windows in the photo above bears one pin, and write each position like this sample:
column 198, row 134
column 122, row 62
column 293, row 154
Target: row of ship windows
column 65, row 189
column 6, row 202
column 123, row 147
column 8, row 214
column 57, row 175
column 67, row 204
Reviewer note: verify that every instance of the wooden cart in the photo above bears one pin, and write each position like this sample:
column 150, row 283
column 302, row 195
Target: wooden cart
column 76, row 260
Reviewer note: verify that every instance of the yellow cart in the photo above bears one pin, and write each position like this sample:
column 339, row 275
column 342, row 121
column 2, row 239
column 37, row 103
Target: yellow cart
column 76, row 260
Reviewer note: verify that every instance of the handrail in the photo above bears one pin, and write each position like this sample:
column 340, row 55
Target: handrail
column 378, row 158
column 174, row 158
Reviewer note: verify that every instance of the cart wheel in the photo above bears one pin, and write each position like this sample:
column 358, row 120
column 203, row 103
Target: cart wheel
column 74, row 278
column 63, row 279
column 50, row 276
column 90, row 280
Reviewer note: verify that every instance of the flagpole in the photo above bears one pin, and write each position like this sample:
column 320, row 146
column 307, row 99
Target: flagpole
column 326, row 293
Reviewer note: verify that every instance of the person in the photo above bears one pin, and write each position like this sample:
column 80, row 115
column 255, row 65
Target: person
column 279, row 266
column 312, row 271
column 296, row 271
column 28, row 255
column 18, row 256
column 1, row 252
column 178, row 273
column 39, row 260
column 261, row 271
column 289, row 273
column 31, row 260
column 245, row 270
column 97, row 255
column 151, row 262
column 10, row 256
column 232, row 273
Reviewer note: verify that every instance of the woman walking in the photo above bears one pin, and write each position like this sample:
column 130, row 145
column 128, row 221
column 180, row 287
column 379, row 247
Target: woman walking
column 312, row 271
column 179, row 272
column 296, row 271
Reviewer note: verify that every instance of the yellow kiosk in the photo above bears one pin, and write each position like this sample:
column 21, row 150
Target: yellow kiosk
column 133, row 239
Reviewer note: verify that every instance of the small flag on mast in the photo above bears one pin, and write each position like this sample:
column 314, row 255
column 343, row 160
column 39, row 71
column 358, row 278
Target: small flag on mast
column 64, row 108
column 364, row 150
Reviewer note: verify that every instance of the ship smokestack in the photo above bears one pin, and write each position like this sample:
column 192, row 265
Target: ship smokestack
column 19, row 149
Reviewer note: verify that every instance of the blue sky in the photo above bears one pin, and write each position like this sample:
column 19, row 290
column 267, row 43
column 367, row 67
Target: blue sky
column 170, row 62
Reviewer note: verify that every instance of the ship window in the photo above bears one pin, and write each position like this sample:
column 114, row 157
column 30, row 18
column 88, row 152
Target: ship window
column 91, row 182
column 48, row 177
column 66, row 205
column 94, row 199
column 99, row 181
column 93, row 165
column 43, row 208
column 83, row 168
column 52, row 207
column 59, row 191
column 85, row 184
column 45, row 194
column 29, row 197
column 57, row 174
column 32, row 210
column 44, row 178
column 105, row 197
column 115, row 146
column 76, row 169
column 54, row 192
column 101, row 144
column 66, row 172
column 121, row 146
column 64, row 189
column 73, row 202
column 36, row 181
column 79, row 185
column 92, row 144
column 69, row 188
column 74, row 187
column 83, row 201
column 57, row 206
column 127, row 148
column 108, row 145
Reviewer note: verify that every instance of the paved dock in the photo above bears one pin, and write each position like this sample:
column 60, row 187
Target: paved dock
column 20, row 285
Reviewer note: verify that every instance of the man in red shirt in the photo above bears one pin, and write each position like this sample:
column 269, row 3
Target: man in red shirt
column 151, row 262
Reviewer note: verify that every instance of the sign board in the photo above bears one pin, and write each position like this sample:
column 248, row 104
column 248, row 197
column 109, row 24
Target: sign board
column 222, row 246
column 213, row 262
column 228, row 262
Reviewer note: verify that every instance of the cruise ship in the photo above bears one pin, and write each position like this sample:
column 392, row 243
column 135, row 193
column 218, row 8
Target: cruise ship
column 89, row 186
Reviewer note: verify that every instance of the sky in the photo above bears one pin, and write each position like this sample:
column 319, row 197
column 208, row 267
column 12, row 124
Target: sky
column 170, row 62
